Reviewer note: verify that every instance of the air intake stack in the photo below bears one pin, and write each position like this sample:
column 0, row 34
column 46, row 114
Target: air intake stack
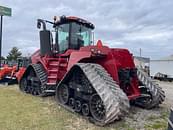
column 45, row 38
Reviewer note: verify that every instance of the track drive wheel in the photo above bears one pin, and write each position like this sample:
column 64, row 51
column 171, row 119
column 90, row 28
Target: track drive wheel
column 97, row 107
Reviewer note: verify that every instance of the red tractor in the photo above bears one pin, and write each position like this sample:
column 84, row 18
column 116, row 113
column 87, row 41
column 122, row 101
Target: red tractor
column 13, row 73
column 5, row 72
column 95, row 81
column 22, row 64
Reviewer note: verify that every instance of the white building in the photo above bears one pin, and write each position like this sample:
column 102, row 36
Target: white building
column 164, row 66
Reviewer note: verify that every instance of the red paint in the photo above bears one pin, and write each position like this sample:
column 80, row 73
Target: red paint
column 6, row 70
column 99, row 43
column 20, row 73
column 111, row 59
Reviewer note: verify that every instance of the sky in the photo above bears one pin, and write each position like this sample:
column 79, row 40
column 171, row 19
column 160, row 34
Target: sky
column 131, row 24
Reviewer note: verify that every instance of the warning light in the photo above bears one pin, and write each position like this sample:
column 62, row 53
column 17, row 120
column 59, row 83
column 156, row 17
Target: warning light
column 99, row 43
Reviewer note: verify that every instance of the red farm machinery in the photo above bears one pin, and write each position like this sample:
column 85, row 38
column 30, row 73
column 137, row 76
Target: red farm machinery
column 95, row 81
column 12, row 73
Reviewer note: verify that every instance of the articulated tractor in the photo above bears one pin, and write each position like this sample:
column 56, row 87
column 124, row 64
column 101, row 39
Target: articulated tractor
column 93, row 80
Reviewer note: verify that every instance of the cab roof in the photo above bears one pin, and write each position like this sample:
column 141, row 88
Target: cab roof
column 69, row 19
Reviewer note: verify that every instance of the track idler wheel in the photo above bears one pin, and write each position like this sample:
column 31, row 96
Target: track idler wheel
column 97, row 108
column 63, row 94
column 85, row 109
column 23, row 85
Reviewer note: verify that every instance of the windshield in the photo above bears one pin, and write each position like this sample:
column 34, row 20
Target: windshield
column 80, row 33
column 72, row 36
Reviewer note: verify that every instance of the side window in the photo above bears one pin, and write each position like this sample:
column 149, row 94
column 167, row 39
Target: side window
column 63, row 37
column 86, row 37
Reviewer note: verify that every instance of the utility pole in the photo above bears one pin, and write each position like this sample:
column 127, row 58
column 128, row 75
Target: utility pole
column 4, row 11
column 140, row 54
column 1, row 39
column 140, row 51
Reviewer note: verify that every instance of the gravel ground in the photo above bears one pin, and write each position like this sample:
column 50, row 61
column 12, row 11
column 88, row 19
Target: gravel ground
column 168, row 88
column 141, row 119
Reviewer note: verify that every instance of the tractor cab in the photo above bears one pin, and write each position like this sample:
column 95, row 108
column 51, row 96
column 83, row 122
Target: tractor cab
column 22, row 62
column 70, row 33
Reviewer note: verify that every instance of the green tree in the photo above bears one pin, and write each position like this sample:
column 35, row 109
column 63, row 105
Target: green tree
column 2, row 58
column 14, row 54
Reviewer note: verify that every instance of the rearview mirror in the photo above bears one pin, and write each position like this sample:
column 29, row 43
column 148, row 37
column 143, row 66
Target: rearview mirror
column 38, row 24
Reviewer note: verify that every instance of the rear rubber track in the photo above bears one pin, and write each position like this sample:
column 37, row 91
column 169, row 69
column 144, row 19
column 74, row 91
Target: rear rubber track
column 157, row 95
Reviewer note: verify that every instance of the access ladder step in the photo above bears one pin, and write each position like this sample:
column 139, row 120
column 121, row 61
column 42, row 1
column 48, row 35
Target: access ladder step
column 53, row 70
column 50, row 91
column 53, row 64
column 52, row 77
column 51, row 83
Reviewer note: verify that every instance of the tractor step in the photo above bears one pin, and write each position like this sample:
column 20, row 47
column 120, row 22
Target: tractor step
column 50, row 91
column 53, row 70
column 50, row 83
column 52, row 77
column 53, row 64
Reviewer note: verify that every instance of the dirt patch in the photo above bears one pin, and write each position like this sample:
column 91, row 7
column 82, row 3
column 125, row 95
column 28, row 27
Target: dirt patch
column 168, row 88
column 142, row 119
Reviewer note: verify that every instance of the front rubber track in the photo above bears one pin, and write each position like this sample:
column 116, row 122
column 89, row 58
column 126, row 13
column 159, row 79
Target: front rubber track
column 114, row 100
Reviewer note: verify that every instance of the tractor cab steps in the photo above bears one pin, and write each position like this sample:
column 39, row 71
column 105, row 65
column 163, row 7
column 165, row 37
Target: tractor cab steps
column 50, row 84
column 53, row 66
column 53, row 70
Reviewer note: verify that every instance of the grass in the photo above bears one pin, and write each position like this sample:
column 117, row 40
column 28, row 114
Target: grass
column 24, row 112
column 157, row 125
column 158, row 122
column 19, row 111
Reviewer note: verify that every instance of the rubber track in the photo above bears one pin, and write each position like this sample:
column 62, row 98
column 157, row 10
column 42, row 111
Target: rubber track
column 114, row 99
column 158, row 95
column 41, row 74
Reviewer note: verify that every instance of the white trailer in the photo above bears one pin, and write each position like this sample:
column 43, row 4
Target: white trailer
column 163, row 66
